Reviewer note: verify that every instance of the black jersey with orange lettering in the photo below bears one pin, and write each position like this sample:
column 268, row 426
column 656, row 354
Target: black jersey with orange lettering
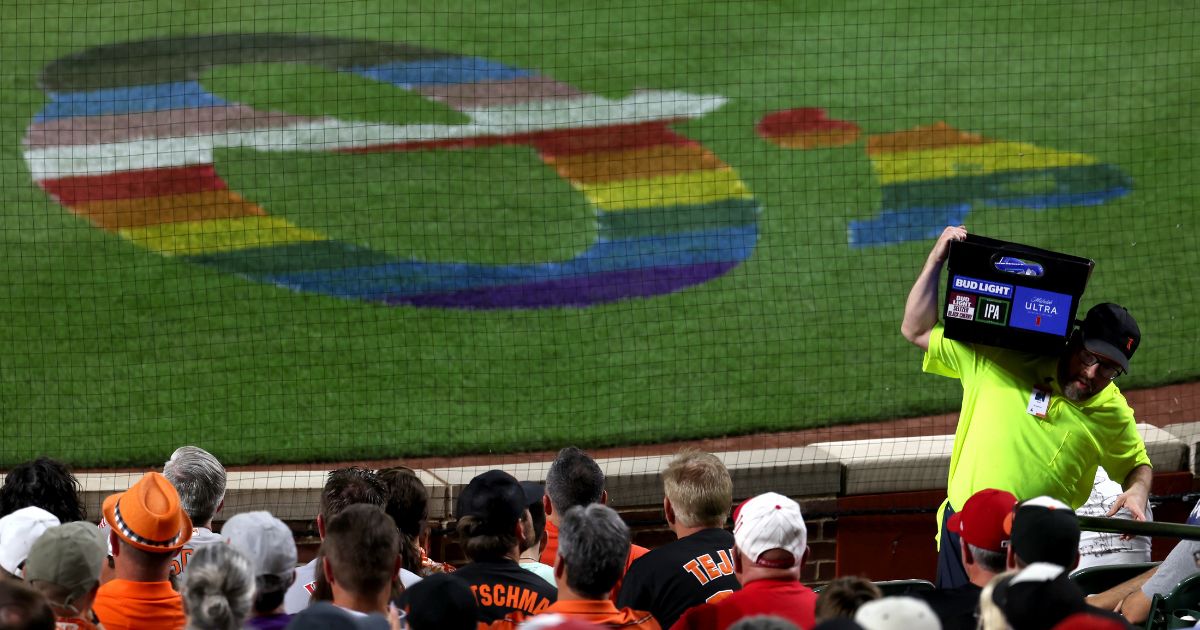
column 502, row 586
column 673, row 578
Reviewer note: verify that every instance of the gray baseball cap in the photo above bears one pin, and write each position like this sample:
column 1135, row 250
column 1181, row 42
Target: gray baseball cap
column 265, row 540
column 69, row 556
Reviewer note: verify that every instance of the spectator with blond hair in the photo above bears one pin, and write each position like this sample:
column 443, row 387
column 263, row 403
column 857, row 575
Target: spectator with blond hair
column 771, row 546
column 218, row 590
column 698, row 566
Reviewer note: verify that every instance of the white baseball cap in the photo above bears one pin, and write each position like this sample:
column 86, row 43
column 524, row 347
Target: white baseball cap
column 18, row 532
column 265, row 540
column 897, row 613
column 770, row 521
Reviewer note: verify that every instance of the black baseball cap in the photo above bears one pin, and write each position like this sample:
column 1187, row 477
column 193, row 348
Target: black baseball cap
column 441, row 601
column 534, row 492
column 1044, row 530
column 495, row 498
column 1110, row 330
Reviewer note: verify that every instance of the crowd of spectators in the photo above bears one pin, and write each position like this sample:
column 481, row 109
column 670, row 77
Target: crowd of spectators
column 540, row 556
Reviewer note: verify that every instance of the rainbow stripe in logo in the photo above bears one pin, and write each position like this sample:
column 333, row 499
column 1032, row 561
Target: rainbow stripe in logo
column 127, row 141
column 931, row 176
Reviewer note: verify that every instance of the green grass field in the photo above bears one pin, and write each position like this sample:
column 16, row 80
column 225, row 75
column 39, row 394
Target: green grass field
column 113, row 355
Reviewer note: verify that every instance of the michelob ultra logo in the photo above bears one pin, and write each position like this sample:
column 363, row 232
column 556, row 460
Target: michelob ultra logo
column 1041, row 311
column 984, row 287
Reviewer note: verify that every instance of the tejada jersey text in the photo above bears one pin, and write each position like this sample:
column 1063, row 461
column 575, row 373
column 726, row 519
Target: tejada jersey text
column 706, row 568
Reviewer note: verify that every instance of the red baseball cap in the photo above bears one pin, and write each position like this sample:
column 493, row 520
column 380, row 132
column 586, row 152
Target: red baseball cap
column 981, row 520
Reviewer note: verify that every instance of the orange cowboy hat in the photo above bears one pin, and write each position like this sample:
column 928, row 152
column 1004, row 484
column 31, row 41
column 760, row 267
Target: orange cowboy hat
column 148, row 515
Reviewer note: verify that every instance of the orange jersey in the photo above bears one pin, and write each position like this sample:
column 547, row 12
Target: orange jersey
column 601, row 612
column 550, row 553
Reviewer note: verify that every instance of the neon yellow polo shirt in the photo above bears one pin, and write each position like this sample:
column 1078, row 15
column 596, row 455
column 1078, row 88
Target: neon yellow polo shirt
column 1000, row 445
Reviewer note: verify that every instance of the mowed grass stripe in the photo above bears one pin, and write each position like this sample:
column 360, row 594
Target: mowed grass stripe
column 293, row 258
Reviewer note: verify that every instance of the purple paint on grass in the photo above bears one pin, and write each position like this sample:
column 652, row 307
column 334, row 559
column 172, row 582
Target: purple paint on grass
column 585, row 291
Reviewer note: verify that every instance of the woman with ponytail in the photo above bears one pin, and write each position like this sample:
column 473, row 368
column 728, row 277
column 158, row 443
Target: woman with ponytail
column 218, row 589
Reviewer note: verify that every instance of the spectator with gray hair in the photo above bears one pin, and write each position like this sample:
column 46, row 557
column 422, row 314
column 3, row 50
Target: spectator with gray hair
column 592, row 543
column 200, row 480
column 983, row 546
column 699, row 565
column 268, row 544
column 219, row 589
column 574, row 479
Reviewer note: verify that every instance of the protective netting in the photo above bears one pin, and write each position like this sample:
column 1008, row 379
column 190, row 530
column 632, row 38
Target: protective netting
column 295, row 232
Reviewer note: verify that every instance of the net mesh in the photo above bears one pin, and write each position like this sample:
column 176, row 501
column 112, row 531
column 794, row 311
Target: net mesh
column 460, row 234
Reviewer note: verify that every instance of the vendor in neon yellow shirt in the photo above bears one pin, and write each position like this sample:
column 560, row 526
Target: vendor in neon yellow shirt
column 1000, row 443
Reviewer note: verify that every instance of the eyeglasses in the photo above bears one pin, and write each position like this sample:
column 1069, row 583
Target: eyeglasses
column 1106, row 370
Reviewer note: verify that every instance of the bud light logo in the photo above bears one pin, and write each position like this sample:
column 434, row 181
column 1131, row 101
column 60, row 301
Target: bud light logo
column 983, row 287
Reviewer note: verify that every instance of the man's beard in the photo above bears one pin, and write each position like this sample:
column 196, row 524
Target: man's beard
column 1075, row 392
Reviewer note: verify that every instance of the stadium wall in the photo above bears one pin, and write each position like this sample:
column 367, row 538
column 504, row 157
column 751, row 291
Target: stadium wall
column 869, row 504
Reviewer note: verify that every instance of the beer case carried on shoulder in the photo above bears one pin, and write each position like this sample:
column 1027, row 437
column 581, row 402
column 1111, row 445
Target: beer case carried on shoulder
column 1012, row 296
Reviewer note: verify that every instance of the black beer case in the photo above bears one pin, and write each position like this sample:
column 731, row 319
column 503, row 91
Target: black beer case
column 1011, row 295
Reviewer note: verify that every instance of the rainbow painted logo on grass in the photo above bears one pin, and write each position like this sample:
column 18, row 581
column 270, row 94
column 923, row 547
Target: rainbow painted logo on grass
column 128, row 138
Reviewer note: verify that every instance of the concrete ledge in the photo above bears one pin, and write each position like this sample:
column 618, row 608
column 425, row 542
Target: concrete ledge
column 1188, row 433
column 1167, row 452
column 291, row 495
column 892, row 464
column 849, row 467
